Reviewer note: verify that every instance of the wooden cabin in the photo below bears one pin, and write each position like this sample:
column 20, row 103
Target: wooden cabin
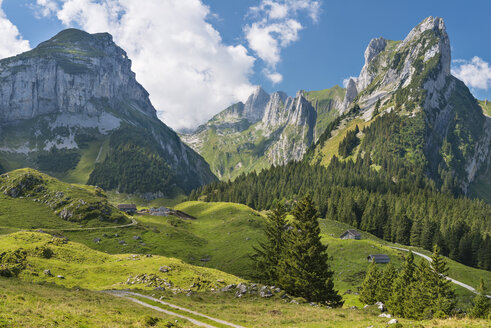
column 378, row 258
column 351, row 234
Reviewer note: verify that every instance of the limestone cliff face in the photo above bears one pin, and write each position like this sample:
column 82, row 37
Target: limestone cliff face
column 266, row 130
column 413, row 78
column 61, row 76
column 77, row 89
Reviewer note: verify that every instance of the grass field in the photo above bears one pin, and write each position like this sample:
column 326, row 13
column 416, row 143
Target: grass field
column 37, row 300
column 222, row 238
column 253, row 311
column 84, row 267
column 24, row 304
column 223, row 233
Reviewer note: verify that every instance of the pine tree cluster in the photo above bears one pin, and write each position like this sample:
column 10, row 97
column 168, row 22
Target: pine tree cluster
column 293, row 257
column 416, row 291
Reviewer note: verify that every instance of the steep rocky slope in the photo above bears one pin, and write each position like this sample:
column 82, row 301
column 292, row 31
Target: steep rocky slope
column 72, row 107
column 417, row 115
column 266, row 130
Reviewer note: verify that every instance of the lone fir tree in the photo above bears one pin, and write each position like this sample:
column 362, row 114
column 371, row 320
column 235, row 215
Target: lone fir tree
column 304, row 270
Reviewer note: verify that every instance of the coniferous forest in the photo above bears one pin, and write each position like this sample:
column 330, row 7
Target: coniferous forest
column 402, row 208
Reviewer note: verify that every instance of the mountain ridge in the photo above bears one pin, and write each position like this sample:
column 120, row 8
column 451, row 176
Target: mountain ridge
column 268, row 129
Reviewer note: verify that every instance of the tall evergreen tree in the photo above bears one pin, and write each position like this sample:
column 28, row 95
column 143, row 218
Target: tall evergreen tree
column 384, row 287
column 402, row 285
column 441, row 289
column 368, row 294
column 304, row 271
column 481, row 303
column 269, row 253
column 419, row 297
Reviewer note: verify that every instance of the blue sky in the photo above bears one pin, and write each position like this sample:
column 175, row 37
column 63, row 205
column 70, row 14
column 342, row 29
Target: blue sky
column 280, row 44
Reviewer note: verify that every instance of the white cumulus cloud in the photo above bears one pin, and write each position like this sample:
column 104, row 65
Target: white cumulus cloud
column 275, row 26
column 177, row 55
column 475, row 73
column 11, row 41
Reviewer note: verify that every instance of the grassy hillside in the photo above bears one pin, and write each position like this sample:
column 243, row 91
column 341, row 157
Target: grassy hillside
column 27, row 304
column 39, row 300
column 222, row 238
column 84, row 267
column 325, row 101
column 33, row 200
column 230, row 152
column 324, row 153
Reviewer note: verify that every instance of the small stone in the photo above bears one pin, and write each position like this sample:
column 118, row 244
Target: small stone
column 294, row 302
column 122, row 242
column 137, row 237
column 228, row 288
column 242, row 288
column 48, row 273
column 60, row 276
column 354, row 307
column 164, row 268
column 97, row 240
column 381, row 306
column 385, row 315
column 392, row 321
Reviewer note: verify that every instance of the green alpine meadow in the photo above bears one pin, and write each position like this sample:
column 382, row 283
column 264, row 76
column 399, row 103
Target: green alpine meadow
column 365, row 203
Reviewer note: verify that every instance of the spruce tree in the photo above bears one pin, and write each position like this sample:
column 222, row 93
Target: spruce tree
column 440, row 287
column 402, row 285
column 418, row 301
column 384, row 287
column 304, row 270
column 481, row 303
column 368, row 294
column 269, row 253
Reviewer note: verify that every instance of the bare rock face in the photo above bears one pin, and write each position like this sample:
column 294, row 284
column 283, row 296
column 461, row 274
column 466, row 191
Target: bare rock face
column 255, row 105
column 76, row 89
column 351, row 93
column 73, row 73
column 375, row 47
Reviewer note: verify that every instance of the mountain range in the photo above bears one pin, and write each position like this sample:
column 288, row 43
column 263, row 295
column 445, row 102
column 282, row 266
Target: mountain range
column 429, row 120
column 72, row 107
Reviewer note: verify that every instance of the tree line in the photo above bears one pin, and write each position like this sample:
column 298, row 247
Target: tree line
column 402, row 208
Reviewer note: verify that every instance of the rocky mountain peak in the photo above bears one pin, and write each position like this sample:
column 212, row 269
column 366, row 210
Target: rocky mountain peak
column 376, row 46
column 73, row 72
column 390, row 65
column 255, row 105
column 432, row 28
